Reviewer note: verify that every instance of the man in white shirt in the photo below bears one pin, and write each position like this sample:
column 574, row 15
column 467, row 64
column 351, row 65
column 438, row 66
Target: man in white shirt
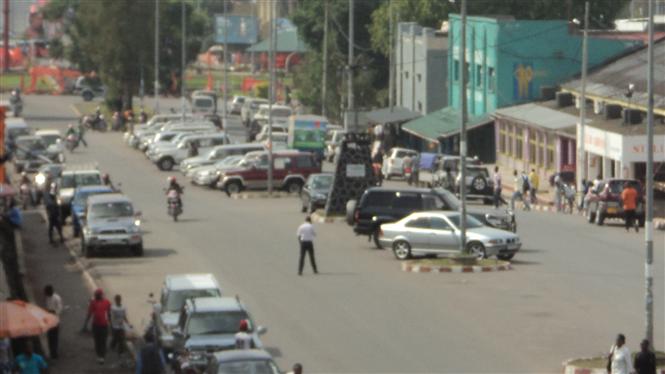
column 306, row 236
column 53, row 305
column 620, row 358
column 119, row 319
column 242, row 337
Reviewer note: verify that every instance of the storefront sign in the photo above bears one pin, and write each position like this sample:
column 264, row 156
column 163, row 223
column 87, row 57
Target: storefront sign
column 635, row 148
column 622, row 148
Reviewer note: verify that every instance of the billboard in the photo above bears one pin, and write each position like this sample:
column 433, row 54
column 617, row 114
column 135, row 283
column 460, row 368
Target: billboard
column 241, row 29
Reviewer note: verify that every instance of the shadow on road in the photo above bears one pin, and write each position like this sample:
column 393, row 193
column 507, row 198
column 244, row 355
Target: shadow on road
column 522, row 262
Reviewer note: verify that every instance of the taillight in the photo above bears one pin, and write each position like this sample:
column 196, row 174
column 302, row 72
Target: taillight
column 356, row 216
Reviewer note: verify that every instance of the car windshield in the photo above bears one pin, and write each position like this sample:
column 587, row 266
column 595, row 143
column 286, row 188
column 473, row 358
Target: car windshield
column 215, row 323
column 87, row 179
column 67, row 181
column 50, row 139
column 82, row 196
column 31, row 144
column 203, row 103
column 471, row 223
column 230, row 161
column 281, row 112
column 176, row 299
column 402, row 154
column 450, row 199
column 321, row 182
column 247, row 367
column 165, row 137
column 111, row 210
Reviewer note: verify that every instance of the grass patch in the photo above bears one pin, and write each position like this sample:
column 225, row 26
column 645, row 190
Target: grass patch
column 451, row 262
column 11, row 80
column 601, row 362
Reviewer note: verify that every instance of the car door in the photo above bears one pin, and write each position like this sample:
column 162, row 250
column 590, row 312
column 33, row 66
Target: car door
column 257, row 176
column 443, row 238
column 282, row 166
column 418, row 233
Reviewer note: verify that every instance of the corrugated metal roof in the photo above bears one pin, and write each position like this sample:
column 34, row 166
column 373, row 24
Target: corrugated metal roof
column 611, row 81
column 538, row 115
column 441, row 124
column 392, row 115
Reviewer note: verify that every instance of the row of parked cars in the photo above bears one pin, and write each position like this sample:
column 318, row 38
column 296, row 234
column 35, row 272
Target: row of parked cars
column 32, row 149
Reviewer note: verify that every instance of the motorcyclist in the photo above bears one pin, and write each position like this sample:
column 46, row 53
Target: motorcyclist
column 106, row 180
column 70, row 130
column 81, row 132
column 174, row 186
column 16, row 102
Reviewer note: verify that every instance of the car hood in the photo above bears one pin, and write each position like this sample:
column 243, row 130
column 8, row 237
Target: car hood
column 170, row 319
column 211, row 342
column 485, row 232
column 195, row 160
column 66, row 193
column 111, row 223
column 209, row 168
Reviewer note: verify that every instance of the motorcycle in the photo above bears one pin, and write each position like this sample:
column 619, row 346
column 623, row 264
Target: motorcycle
column 175, row 207
column 71, row 142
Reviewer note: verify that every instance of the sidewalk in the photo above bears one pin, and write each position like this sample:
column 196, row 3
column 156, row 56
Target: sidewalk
column 47, row 264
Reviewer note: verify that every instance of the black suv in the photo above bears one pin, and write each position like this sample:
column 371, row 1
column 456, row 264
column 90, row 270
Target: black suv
column 379, row 205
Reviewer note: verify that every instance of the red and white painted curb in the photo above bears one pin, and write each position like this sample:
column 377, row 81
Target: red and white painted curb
column 416, row 268
column 572, row 369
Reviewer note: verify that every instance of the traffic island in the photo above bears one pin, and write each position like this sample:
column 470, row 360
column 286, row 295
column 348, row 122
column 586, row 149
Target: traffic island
column 455, row 265
column 598, row 365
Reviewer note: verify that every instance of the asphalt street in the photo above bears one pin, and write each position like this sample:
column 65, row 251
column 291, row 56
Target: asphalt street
column 573, row 288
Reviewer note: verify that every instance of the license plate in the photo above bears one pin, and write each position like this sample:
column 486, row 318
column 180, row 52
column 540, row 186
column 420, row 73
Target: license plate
column 513, row 247
column 612, row 210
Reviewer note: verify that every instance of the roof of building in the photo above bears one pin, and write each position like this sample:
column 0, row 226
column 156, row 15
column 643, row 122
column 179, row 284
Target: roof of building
column 191, row 281
column 611, row 81
column 287, row 41
column 539, row 115
column 441, row 124
column 392, row 115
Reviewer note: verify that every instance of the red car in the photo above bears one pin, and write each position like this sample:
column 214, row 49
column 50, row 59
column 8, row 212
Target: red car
column 604, row 201
column 290, row 171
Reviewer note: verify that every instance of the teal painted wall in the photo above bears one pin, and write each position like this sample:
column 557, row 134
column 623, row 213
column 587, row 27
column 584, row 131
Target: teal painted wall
column 510, row 60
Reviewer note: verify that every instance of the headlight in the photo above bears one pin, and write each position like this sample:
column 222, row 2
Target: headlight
column 40, row 179
column 137, row 222
column 495, row 241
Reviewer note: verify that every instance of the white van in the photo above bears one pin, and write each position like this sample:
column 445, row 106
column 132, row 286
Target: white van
column 217, row 154
column 167, row 157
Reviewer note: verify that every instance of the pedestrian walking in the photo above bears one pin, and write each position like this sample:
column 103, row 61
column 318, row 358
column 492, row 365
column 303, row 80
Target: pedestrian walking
column 496, row 178
column 618, row 361
column 407, row 168
column 29, row 362
column 414, row 177
column 53, row 303
column 645, row 359
column 306, row 236
column 118, row 324
column 534, row 182
column 99, row 310
column 150, row 359
column 521, row 189
column 243, row 339
column 629, row 198
column 53, row 214
column 81, row 133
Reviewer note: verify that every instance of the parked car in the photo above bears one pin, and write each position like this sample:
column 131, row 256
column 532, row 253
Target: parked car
column 176, row 290
column 110, row 221
column 71, row 178
column 154, row 125
column 80, row 202
column 393, row 163
column 280, row 114
column 242, row 361
column 438, row 233
column 379, row 205
column 315, row 192
column 452, row 163
column 604, row 201
column 48, row 172
column 167, row 157
column 236, row 104
column 209, row 324
column 276, row 129
column 249, row 109
column 54, row 143
column 290, row 171
column 209, row 175
column 31, row 153
column 173, row 141
column 217, row 154
column 479, row 184
column 204, row 102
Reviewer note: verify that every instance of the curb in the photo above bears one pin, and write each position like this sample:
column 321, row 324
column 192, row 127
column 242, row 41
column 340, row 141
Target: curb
column 318, row 218
column 260, row 195
column 411, row 268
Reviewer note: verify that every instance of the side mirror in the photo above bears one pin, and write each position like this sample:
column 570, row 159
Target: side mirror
column 261, row 330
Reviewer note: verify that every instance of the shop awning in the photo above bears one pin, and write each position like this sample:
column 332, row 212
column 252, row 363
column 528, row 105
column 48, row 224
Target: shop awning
column 287, row 41
column 442, row 124
column 391, row 115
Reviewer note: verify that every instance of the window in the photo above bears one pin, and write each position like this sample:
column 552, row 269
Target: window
column 541, row 151
column 419, row 77
column 433, row 203
column 519, row 144
column 532, row 146
column 439, row 224
column 407, row 201
column 468, row 73
column 479, row 75
column 456, row 70
column 550, row 153
column 304, row 162
column 510, row 135
column 378, row 199
column 406, row 75
column 420, row 106
column 218, row 141
column 419, row 223
column 502, row 138
column 490, row 79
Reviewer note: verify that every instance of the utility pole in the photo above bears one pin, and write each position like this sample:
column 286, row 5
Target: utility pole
column 182, row 62
column 350, row 107
column 648, row 223
column 324, row 79
column 413, row 66
column 156, row 56
column 391, row 52
column 462, row 141
column 581, row 167
column 225, row 98
column 271, row 94
column 5, row 36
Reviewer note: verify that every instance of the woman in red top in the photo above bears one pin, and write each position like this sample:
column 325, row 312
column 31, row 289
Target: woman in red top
column 99, row 310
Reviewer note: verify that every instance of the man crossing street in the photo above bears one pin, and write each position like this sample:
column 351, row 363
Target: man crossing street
column 306, row 236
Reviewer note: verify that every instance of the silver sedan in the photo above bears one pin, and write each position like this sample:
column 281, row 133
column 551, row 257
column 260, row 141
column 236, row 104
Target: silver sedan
column 438, row 233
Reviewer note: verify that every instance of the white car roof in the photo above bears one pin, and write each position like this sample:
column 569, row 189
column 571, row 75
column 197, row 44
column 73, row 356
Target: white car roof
column 47, row 132
column 191, row 282
column 108, row 198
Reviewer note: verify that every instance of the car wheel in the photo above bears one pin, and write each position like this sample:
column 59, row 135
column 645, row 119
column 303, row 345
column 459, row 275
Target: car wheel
column 350, row 211
column 294, row 187
column 506, row 257
column 375, row 236
column 233, row 188
column 137, row 250
column 166, row 164
column 600, row 217
column 477, row 249
column 402, row 250
column 590, row 215
column 478, row 184
column 87, row 96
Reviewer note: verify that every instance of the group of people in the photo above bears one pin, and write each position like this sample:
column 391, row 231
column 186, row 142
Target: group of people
column 620, row 360
column 525, row 189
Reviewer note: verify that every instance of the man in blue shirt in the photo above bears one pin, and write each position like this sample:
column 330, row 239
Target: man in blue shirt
column 30, row 362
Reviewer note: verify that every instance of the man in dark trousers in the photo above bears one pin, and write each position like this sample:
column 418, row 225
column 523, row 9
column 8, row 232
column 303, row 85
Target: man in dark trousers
column 53, row 214
column 645, row 360
column 53, row 305
column 306, row 236
column 99, row 311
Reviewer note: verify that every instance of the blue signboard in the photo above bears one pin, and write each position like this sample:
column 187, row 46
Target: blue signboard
column 241, row 29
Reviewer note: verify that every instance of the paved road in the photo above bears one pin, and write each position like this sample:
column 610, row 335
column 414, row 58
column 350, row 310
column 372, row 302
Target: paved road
column 573, row 288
